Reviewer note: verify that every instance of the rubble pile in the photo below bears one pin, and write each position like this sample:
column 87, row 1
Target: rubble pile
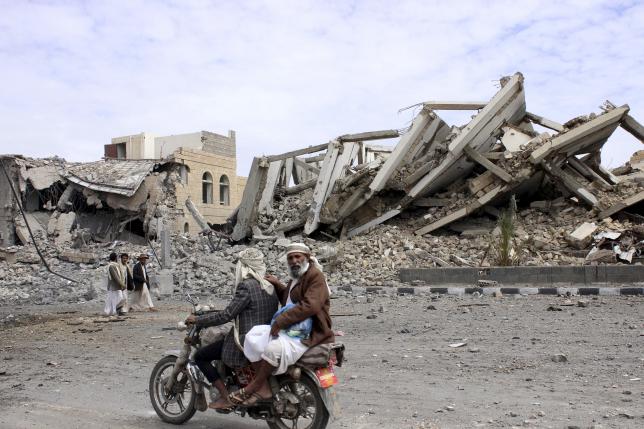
column 437, row 176
column 435, row 199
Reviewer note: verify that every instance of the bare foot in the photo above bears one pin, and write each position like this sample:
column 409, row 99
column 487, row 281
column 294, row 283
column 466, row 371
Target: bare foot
column 220, row 404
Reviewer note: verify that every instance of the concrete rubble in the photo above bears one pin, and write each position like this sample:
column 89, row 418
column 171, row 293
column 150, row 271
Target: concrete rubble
column 435, row 199
column 441, row 188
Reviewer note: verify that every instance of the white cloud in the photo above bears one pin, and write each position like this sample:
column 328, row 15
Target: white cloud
column 290, row 73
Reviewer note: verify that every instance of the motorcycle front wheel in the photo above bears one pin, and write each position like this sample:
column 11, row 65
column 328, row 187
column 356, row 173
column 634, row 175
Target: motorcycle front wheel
column 176, row 405
column 310, row 413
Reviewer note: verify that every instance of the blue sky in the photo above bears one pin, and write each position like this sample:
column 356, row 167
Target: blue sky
column 286, row 74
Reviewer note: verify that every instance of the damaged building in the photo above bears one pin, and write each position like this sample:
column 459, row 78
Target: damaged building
column 441, row 178
column 140, row 188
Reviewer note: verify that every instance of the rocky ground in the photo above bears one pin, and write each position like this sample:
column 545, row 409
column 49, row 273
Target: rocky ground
column 538, row 361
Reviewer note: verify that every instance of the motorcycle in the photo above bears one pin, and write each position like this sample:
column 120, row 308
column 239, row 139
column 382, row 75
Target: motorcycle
column 303, row 397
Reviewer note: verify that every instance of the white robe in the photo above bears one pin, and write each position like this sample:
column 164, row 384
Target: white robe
column 112, row 301
column 257, row 341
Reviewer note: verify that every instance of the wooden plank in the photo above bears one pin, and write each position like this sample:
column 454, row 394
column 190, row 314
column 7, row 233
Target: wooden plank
column 247, row 212
column 310, row 149
column 562, row 141
column 370, row 135
column 570, row 183
column 455, row 105
column 306, row 166
column 632, row 126
column 547, row 123
column 480, row 159
column 272, row 180
column 627, row 202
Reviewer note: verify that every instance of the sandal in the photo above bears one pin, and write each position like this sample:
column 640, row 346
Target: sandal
column 255, row 398
column 238, row 397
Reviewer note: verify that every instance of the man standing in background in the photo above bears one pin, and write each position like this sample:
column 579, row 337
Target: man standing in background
column 129, row 283
column 115, row 287
column 141, row 298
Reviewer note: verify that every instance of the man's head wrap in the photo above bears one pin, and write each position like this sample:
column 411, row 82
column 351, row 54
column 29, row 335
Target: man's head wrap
column 250, row 264
column 303, row 248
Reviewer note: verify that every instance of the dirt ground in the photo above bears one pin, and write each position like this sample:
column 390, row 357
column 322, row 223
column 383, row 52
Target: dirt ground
column 401, row 371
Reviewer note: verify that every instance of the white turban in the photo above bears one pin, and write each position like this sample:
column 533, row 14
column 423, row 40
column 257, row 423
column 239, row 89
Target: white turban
column 251, row 264
column 306, row 250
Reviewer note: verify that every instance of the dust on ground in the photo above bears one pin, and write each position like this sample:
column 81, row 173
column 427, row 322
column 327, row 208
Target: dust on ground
column 534, row 361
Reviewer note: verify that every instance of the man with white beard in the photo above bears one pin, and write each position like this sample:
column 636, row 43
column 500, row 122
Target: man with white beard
column 272, row 349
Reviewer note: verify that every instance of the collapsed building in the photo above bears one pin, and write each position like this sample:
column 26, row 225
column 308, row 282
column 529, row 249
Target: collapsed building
column 125, row 196
column 438, row 177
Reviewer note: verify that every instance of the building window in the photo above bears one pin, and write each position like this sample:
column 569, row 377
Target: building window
column 224, row 191
column 206, row 187
column 183, row 172
column 186, row 228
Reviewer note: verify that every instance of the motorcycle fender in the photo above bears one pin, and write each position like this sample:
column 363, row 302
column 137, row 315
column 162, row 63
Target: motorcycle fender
column 328, row 395
column 174, row 353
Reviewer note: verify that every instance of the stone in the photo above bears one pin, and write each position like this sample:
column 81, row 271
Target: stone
column 558, row 358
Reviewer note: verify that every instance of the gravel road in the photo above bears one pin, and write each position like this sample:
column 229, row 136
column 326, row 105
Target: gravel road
column 537, row 361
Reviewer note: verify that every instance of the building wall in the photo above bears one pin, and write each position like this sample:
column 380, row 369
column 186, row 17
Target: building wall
column 198, row 162
column 137, row 146
column 164, row 146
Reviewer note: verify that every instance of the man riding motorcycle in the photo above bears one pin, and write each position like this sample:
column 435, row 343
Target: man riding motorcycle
column 254, row 303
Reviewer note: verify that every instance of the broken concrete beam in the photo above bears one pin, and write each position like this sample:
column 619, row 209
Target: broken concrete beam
column 203, row 225
column 292, row 225
column 78, row 256
column 432, row 202
column 627, row 202
column 375, row 222
column 247, row 213
column 479, row 183
column 64, row 202
column 306, row 166
column 464, row 211
column 570, row 184
column 489, row 165
column 321, row 186
column 292, row 190
column 547, row 123
column 310, row 149
column 288, row 171
column 64, row 225
column 370, row 135
column 632, row 126
column 591, row 129
column 455, row 105
column 272, row 180
column 506, row 106
column 581, row 237
column 610, row 177
column 589, row 173
column 408, row 141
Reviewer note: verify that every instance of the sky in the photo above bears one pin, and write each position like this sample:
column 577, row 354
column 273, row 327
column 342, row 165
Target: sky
column 289, row 74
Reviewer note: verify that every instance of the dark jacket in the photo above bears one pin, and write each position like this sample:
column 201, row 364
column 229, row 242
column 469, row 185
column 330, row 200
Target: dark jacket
column 129, row 278
column 253, row 306
column 311, row 296
column 138, row 277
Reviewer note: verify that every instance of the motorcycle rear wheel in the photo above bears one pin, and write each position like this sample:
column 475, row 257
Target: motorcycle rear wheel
column 312, row 408
column 162, row 400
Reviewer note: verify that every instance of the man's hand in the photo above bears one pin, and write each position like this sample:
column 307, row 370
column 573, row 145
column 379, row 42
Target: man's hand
column 272, row 279
column 191, row 320
column 275, row 330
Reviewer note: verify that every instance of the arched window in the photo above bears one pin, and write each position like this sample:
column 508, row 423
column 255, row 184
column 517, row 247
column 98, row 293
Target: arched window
column 186, row 228
column 206, row 188
column 224, row 190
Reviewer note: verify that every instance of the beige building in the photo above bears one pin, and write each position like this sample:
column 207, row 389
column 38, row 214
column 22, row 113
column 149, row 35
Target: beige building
column 208, row 175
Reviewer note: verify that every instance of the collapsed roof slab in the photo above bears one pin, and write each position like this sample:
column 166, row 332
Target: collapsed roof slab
column 507, row 106
column 592, row 132
column 632, row 126
column 122, row 177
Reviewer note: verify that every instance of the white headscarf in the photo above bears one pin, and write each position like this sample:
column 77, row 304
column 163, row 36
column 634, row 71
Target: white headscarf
column 251, row 264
